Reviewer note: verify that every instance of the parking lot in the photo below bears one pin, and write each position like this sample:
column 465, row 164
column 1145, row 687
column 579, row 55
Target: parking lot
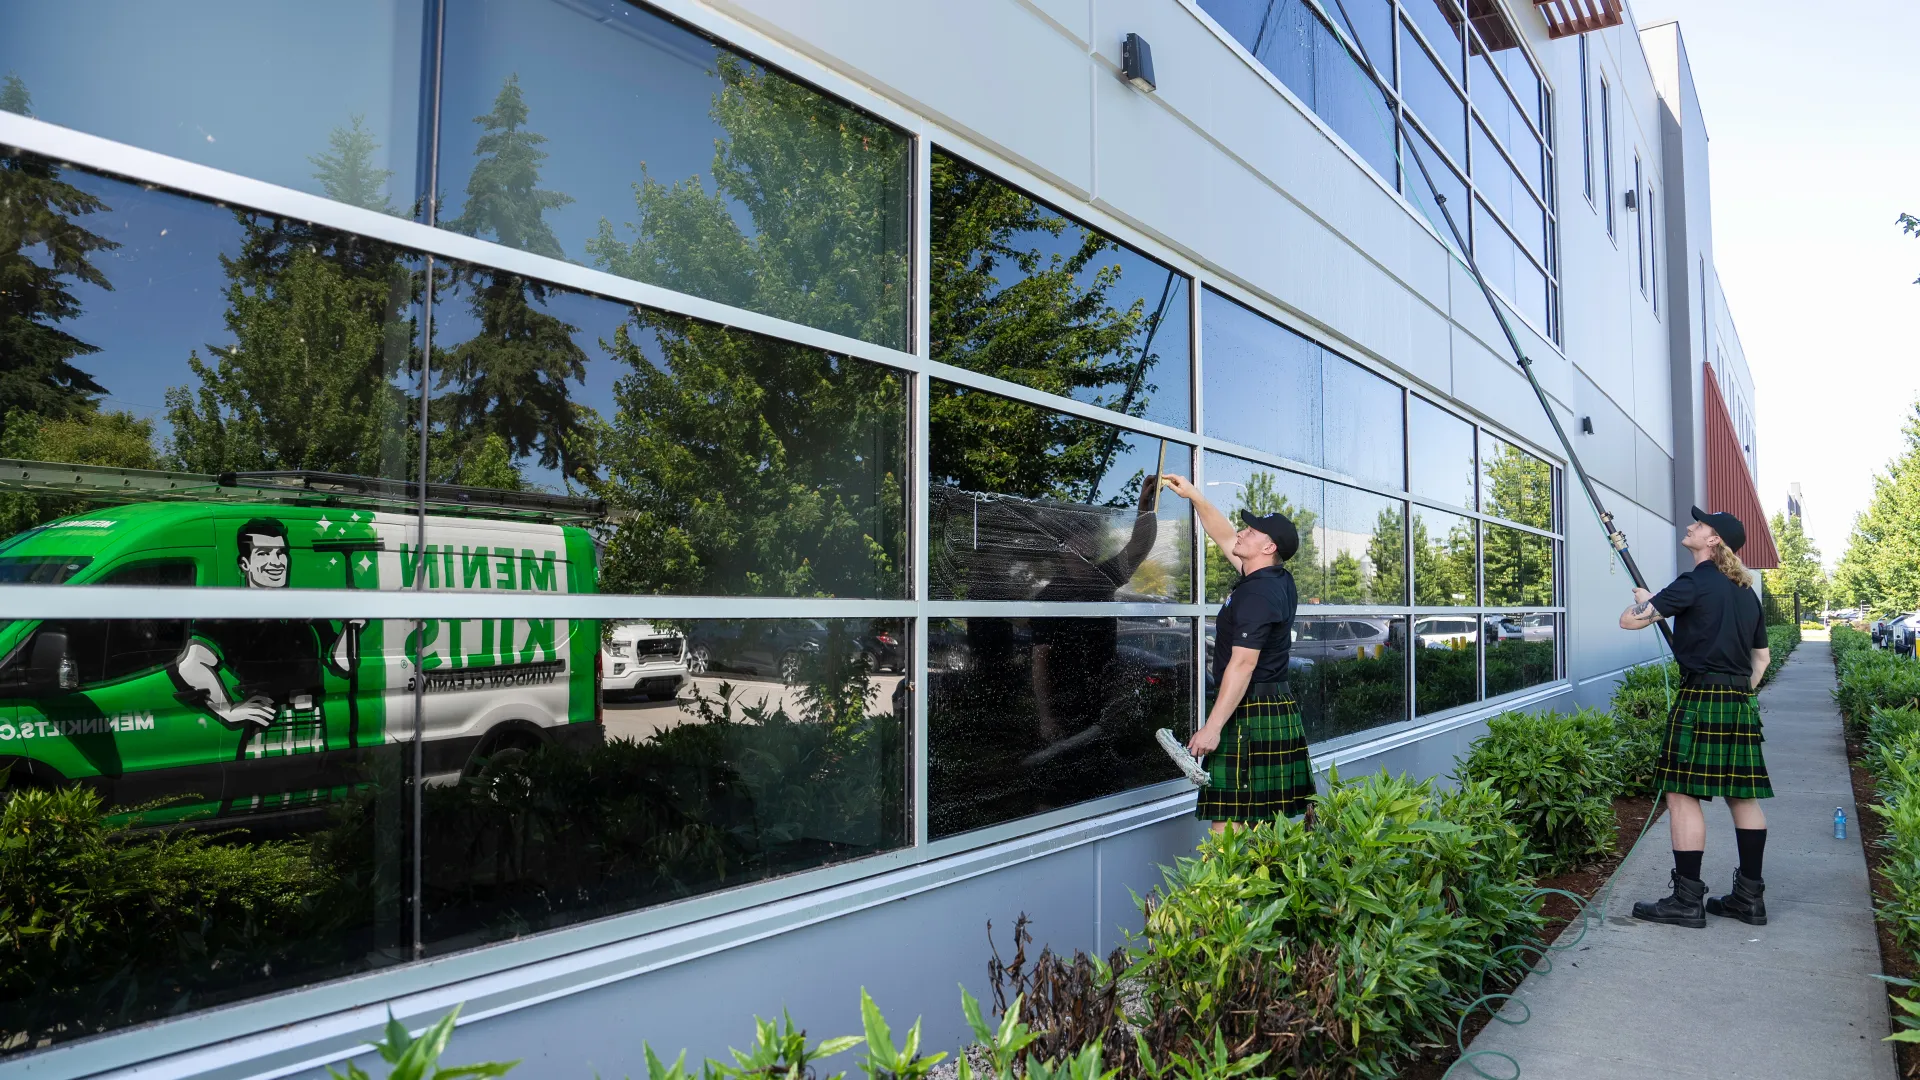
column 638, row 719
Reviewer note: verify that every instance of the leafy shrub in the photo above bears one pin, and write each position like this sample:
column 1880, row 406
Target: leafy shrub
column 1871, row 679
column 1640, row 706
column 1843, row 640
column 1893, row 757
column 1338, row 950
column 1809, row 624
column 1781, row 641
column 1556, row 770
column 419, row 1059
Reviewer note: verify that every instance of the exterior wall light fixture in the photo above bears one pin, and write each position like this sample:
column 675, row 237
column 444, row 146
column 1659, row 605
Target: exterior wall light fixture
column 1136, row 62
column 1586, row 425
column 1633, row 201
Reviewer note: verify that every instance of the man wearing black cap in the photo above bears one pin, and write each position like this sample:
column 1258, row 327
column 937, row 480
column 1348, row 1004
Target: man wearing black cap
column 1255, row 746
column 1712, row 744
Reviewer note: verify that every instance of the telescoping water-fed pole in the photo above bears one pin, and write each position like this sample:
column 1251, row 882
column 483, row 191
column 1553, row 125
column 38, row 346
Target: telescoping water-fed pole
column 1615, row 537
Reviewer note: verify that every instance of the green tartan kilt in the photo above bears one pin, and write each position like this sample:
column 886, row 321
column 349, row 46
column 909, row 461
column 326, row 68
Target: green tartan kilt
column 1260, row 770
column 1712, row 746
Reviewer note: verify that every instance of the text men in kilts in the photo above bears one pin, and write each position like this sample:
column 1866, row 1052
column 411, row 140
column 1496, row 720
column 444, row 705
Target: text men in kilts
column 1712, row 744
column 1255, row 746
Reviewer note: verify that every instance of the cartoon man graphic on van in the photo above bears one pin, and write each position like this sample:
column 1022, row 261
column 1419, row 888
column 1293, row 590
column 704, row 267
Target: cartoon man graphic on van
column 274, row 664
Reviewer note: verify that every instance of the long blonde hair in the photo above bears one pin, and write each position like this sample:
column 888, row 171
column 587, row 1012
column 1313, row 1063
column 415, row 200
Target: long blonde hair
column 1731, row 566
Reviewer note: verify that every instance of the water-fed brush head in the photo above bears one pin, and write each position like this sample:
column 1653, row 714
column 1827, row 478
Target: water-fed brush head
column 1189, row 765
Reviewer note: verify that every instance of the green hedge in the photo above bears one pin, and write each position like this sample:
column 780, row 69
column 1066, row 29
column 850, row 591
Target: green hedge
column 1558, row 774
column 1873, row 679
column 1893, row 758
column 1843, row 639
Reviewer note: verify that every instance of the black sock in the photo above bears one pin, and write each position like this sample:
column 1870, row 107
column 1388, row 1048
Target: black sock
column 1688, row 863
column 1753, row 845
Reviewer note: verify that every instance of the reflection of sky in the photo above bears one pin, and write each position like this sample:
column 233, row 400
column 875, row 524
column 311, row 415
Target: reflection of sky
column 240, row 85
column 1262, row 384
column 1365, row 433
column 1441, row 460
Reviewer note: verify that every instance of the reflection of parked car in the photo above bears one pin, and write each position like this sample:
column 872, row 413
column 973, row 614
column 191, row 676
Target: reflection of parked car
column 777, row 647
column 1536, row 627
column 1339, row 639
column 1505, row 628
column 1879, row 631
column 1902, row 632
column 1443, row 632
column 640, row 658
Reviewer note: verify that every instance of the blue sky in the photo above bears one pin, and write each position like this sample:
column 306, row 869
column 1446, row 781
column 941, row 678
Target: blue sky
column 1813, row 113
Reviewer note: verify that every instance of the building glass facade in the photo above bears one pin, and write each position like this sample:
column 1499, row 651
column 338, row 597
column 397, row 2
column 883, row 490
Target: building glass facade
column 560, row 511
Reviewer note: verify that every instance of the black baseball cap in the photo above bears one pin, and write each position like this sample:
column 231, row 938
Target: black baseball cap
column 1728, row 526
column 1284, row 535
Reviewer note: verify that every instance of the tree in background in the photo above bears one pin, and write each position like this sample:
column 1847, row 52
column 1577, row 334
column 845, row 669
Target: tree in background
column 512, row 382
column 1443, row 566
column 1799, row 572
column 40, row 214
column 1386, row 550
column 1881, row 568
column 1260, row 497
column 1911, row 226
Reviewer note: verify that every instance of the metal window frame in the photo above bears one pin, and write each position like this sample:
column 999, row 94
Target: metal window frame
column 1586, row 120
column 1606, row 156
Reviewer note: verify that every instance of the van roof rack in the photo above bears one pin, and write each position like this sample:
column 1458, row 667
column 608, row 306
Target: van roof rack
column 111, row 483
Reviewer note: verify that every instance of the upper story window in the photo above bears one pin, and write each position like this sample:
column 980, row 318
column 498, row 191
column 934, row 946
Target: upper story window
column 1475, row 104
column 1586, row 121
column 1606, row 150
column 1639, row 226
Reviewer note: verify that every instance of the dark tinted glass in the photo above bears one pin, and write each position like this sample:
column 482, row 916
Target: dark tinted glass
column 322, row 98
column 1349, row 673
column 716, row 461
column 156, row 342
column 1446, row 661
column 1443, row 559
column 599, row 132
column 1366, row 433
column 1026, row 715
column 282, row 742
column 1362, row 537
column 1022, row 292
column 1030, row 504
column 1236, row 486
column 1514, row 484
column 1433, row 99
column 1519, row 567
column 1520, row 651
column 733, row 751
column 1292, row 42
column 1262, row 382
column 1440, row 454
column 1440, row 21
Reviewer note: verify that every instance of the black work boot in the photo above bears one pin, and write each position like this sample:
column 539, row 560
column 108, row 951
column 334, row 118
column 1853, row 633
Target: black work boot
column 1747, row 902
column 1683, row 908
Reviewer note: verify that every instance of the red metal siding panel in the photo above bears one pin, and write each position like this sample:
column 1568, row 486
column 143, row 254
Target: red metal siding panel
column 1730, row 486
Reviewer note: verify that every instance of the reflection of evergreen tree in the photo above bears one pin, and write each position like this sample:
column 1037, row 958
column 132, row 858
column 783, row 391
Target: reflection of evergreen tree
column 824, row 187
column 44, row 252
column 743, row 464
column 1348, row 581
column 1261, row 496
column 1386, row 550
column 346, row 172
column 510, row 379
column 1443, row 566
column 1519, row 487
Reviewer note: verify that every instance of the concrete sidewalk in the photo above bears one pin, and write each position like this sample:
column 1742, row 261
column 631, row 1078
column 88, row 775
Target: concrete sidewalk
column 1795, row 998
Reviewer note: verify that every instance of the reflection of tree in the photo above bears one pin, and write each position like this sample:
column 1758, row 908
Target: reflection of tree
column 346, row 171
column 1519, row 486
column 1519, row 567
column 115, row 439
column 742, row 464
column 508, row 383
column 1386, row 550
column 825, row 189
column 1443, row 566
column 1261, row 496
column 40, row 215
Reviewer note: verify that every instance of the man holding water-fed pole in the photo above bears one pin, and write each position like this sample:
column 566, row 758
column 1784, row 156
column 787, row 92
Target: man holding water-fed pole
column 1253, row 741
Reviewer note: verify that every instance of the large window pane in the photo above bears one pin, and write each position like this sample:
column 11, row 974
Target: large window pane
column 1262, row 382
column 1030, row 504
column 734, row 751
column 1519, row 567
column 1446, row 183
column 1505, row 121
column 1515, row 484
column 1026, row 715
column 1444, row 560
column 1366, row 433
column 202, row 811
column 1431, row 97
column 1022, row 292
column 1236, row 486
column 1446, row 661
column 1440, row 21
column 1520, row 652
column 1440, row 454
column 1351, row 675
column 1350, row 102
column 1372, row 27
column 1362, row 542
column 723, row 462
column 601, row 133
column 232, row 392
column 323, row 98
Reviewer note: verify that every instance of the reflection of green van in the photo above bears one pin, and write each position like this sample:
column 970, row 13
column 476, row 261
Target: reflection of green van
column 277, row 714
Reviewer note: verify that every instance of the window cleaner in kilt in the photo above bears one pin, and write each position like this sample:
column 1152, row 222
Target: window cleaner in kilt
column 1253, row 741
column 1712, row 743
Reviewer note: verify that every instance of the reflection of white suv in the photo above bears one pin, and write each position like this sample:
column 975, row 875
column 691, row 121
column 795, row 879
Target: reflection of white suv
column 1441, row 633
column 640, row 658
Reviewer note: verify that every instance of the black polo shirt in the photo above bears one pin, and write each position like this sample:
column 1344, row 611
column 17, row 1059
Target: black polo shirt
column 1258, row 614
column 1716, row 623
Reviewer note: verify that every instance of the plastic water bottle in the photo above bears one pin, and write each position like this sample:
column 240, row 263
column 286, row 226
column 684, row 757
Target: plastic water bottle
column 1839, row 823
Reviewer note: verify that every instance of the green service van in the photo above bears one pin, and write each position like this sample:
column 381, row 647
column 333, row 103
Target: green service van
column 248, row 716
